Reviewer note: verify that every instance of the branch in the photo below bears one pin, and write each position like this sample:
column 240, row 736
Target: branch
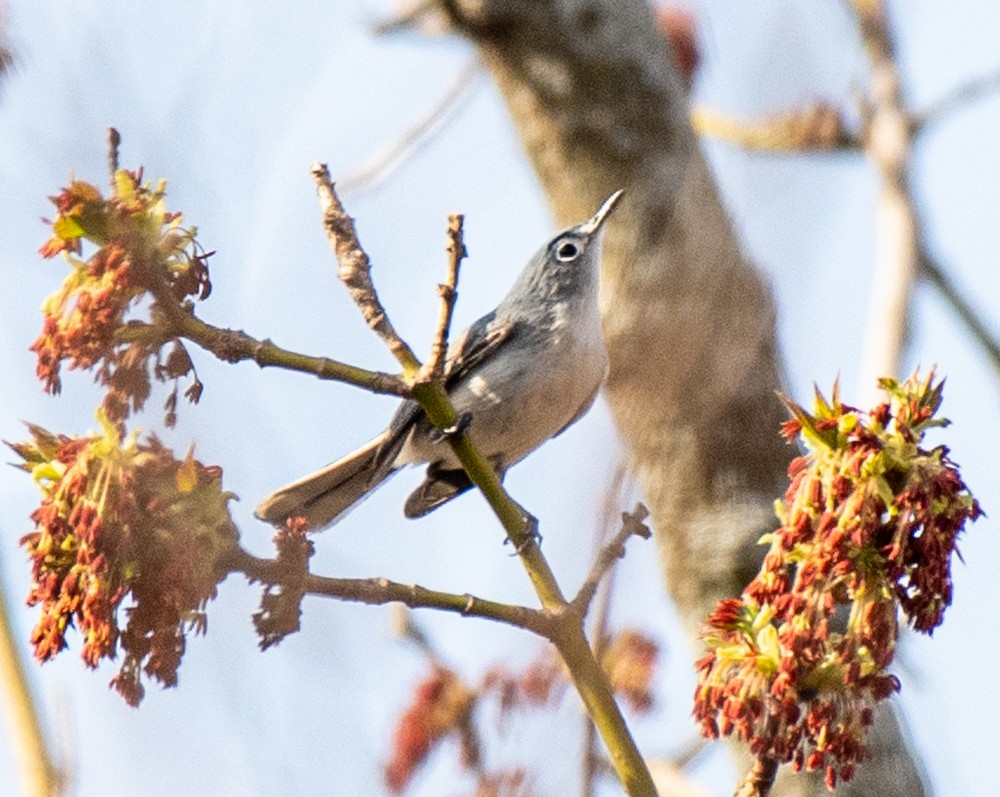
column 433, row 369
column 37, row 773
column 632, row 523
column 759, row 779
column 380, row 591
column 232, row 346
column 818, row 127
column 418, row 136
column 931, row 270
column 355, row 268
column 964, row 95
column 599, row 622
column 887, row 141
column 114, row 140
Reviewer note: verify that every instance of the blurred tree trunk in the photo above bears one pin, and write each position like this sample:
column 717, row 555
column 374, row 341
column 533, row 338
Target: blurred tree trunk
column 689, row 322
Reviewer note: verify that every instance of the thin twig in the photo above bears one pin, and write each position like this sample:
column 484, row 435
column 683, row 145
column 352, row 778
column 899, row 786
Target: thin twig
column 964, row 95
column 600, row 619
column 417, row 136
column 36, row 770
column 759, row 779
column 379, row 591
column 433, row 369
column 818, row 127
column 632, row 523
column 938, row 277
column 233, row 345
column 887, row 142
column 355, row 268
column 114, row 141
column 407, row 18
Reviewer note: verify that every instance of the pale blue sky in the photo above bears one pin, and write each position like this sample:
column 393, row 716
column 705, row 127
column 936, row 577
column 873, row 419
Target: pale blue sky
column 232, row 102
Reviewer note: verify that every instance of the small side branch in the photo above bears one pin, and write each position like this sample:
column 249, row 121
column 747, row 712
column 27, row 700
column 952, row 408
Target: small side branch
column 759, row 779
column 355, row 268
column 938, row 277
column 114, row 141
column 887, row 139
column 964, row 95
column 418, row 135
column 231, row 345
column 379, row 591
column 433, row 369
column 818, row 127
column 632, row 524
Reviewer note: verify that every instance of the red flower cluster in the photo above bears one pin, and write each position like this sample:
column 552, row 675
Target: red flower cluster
column 141, row 250
column 630, row 663
column 121, row 518
column 281, row 604
column 441, row 705
column 868, row 524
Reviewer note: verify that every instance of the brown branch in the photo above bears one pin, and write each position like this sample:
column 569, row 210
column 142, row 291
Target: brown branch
column 409, row 17
column 416, row 137
column 632, row 524
column 932, row 271
column 818, row 127
column 433, row 369
column 37, row 772
column 759, row 779
column 887, row 141
column 232, row 345
column 114, row 141
column 355, row 268
column 965, row 94
column 600, row 617
column 380, row 591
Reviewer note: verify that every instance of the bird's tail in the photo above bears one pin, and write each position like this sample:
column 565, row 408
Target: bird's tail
column 324, row 496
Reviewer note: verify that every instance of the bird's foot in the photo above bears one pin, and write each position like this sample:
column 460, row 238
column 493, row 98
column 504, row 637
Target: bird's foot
column 461, row 427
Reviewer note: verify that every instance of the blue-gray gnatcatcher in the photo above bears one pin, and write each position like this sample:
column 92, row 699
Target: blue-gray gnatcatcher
column 519, row 376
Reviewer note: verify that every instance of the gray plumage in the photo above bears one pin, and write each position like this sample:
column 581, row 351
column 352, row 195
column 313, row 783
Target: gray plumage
column 521, row 374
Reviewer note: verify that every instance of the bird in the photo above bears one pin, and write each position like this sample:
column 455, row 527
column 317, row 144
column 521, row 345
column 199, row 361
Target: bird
column 519, row 376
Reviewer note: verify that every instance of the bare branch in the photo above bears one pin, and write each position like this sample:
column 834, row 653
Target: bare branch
column 888, row 141
column 433, row 369
column 36, row 771
column 379, row 591
column 759, row 779
column 818, row 127
column 416, row 137
column 592, row 762
column 414, row 15
column 233, row 345
column 932, row 271
column 965, row 94
column 355, row 268
column 114, row 140
column 632, row 523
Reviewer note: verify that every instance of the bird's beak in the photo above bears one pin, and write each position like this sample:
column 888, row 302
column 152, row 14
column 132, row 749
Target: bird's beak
column 592, row 226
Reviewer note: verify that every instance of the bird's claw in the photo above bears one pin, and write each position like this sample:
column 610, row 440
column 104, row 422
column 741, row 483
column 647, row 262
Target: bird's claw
column 460, row 427
column 531, row 534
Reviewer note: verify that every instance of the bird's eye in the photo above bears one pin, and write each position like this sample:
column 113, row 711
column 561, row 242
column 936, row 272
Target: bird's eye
column 567, row 251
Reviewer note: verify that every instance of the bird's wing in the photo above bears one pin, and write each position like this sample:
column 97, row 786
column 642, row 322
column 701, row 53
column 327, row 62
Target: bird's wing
column 476, row 344
column 465, row 354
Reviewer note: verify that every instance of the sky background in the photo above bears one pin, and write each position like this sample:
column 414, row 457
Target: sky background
column 232, row 102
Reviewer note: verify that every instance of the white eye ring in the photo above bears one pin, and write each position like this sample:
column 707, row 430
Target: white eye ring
column 567, row 251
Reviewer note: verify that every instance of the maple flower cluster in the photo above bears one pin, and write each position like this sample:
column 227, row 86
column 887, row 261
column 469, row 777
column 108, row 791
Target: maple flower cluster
column 120, row 519
column 869, row 523
column 142, row 250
